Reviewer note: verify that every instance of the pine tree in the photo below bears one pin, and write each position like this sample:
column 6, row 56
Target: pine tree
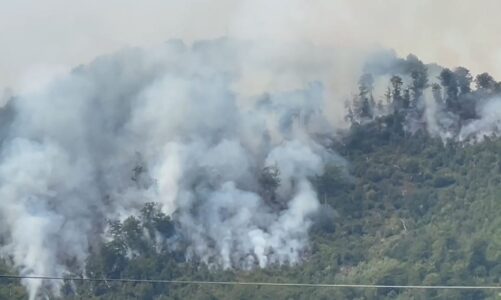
column 396, row 93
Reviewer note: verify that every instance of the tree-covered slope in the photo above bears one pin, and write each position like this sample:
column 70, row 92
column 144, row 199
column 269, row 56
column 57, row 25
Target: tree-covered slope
column 150, row 168
column 408, row 210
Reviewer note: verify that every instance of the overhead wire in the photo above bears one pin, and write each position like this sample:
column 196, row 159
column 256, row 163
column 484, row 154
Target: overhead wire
column 252, row 283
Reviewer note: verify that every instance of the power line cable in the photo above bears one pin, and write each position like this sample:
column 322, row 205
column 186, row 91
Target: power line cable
column 250, row 283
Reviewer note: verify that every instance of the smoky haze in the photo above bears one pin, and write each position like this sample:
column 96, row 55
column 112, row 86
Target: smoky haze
column 163, row 125
column 65, row 34
column 196, row 122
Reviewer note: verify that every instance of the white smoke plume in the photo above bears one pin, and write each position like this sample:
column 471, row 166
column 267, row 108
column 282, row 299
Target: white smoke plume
column 463, row 108
column 70, row 145
column 488, row 124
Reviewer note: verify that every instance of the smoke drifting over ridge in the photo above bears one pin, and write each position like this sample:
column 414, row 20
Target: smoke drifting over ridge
column 451, row 104
column 37, row 32
column 192, row 128
column 161, row 125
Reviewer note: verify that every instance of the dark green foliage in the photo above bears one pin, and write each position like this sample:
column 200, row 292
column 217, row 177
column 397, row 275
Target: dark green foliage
column 408, row 209
column 419, row 75
column 464, row 79
column 436, row 90
column 450, row 86
column 456, row 103
column 485, row 81
column 396, row 92
column 364, row 104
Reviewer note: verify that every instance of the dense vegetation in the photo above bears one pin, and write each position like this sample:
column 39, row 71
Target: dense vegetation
column 409, row 209
column 453, row 108
column 412, row 211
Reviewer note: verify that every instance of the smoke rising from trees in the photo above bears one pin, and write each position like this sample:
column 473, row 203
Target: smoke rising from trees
column 226, row 136
column 427, row 98
column 161, row 125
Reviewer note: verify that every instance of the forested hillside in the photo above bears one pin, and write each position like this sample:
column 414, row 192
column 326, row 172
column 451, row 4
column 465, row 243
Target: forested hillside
column 412, row 210
column 156, row 170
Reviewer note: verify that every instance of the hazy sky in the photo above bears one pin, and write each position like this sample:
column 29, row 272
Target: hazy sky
column 64, row 33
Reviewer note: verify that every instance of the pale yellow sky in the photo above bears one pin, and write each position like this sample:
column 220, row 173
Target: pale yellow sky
column 63, row 33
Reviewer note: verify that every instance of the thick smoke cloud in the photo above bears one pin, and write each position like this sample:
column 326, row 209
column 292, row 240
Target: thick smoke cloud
column 434, row 30
column 195, row 128
column 164, row 125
